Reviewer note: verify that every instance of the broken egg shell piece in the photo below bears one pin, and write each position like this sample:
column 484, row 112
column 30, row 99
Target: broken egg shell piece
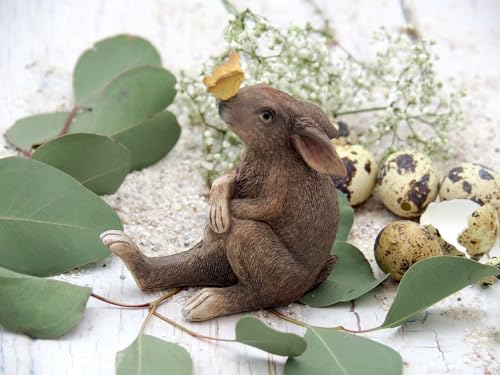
column 490, row 280
column 345, row 135
column 447, row 248
column 464, row 224
column 482, row 231
column 226, row 79
column 450, row 219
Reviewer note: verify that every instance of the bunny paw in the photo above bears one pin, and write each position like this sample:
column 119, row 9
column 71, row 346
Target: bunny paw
column 118, row 242
column 207, row 304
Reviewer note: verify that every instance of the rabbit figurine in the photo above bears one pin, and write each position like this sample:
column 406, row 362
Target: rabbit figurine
column 271, row 221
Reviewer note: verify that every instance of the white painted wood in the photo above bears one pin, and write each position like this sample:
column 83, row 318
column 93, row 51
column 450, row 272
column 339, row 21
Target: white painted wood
column 41, row 41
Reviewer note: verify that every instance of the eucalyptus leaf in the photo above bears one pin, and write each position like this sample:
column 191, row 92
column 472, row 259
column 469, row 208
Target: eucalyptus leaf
column 149, row 355
column 429, row 281
column 108, row 58
column 351, row 278
column 40, row 308
column 127, row 100
column 35, row 130
column 130, row 99
column 98, row 162
column 49, row 222
column 333, row 352
column 346, row 217
column 151, row 140
column 251, row 331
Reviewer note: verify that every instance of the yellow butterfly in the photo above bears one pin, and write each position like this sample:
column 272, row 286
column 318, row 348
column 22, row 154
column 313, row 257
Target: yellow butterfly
column 226, row 79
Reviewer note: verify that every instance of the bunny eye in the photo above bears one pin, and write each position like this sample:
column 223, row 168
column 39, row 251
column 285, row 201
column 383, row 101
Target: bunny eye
column 267, row 116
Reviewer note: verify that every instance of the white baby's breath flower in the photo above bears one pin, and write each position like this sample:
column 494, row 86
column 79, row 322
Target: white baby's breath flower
column 399, row 82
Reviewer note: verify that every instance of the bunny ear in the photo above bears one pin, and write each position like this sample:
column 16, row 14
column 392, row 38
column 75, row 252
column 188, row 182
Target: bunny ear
column 316, row 149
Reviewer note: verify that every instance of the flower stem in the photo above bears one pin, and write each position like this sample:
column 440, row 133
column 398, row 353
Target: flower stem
column 230, row 8
column 354, row 111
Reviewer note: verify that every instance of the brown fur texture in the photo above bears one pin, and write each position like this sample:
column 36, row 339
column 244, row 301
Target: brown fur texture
column 271, row 222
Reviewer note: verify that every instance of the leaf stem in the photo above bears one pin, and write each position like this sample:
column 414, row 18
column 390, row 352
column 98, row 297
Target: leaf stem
column 156, row 302
column 111, row 302
column 188, row 331
column 305, row 325
column 151, row 312
column 289, row 319
column 69, row 120
column 25, row 153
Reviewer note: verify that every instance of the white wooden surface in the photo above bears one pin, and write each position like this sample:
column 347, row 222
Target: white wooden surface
column 40, row 43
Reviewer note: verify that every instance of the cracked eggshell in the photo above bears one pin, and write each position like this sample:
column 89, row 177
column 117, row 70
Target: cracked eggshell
column 361, row 176
column 490, row 280
column 345, row 136
column 481, row 233
column 401, row 244
column 474, row 182
column 464, row 225
column 407, row 182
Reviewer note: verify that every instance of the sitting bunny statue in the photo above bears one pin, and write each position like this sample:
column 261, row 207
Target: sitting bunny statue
column 271, row 221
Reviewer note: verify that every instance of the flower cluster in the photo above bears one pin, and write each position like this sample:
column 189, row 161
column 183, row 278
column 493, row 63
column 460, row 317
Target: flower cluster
column 408, row 107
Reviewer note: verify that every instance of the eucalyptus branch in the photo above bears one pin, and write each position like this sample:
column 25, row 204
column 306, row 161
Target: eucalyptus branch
column 151, row 312
column 115, row 303
column 145, row 305
column 189, row 331
column 69, row 120
column 155, row 304
column 306, row 325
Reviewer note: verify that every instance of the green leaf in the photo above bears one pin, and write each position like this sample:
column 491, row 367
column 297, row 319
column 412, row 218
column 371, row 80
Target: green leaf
column 346, row 217
column 149, row 355
column 351, row 278
column 151, row 140
column 40, row 308
column 35, row 130
column 338, row 353
column 98, row 162
column 108, row 58
column 127, row 100
column 49, row 223
column 251, row 331
column 431, row 280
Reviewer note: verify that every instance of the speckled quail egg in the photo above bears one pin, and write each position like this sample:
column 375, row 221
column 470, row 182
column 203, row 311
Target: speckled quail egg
column 464, row 225
column 401, row 244
column 344, row 134
column 407, row 182
column 474, row 182
column 490, row 280
column 361, row 176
